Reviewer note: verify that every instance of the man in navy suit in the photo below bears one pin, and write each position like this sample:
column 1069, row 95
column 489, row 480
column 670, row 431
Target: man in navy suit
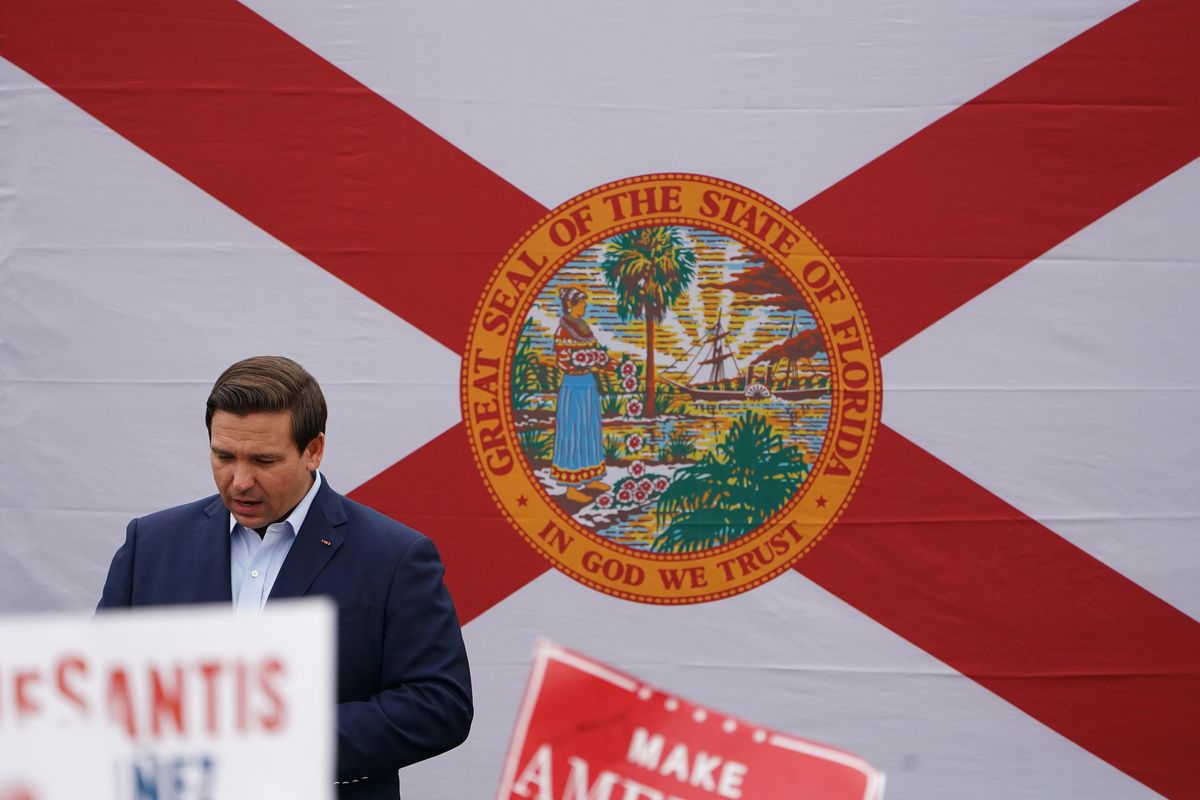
column 276, row 529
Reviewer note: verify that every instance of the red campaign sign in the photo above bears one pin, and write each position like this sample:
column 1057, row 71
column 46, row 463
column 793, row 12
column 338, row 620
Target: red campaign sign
column 589, row 732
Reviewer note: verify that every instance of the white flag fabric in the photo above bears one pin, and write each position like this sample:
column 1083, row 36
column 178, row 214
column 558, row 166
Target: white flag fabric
column 130, row 277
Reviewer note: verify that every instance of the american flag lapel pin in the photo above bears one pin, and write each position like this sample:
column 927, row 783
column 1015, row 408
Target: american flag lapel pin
column 326, row 542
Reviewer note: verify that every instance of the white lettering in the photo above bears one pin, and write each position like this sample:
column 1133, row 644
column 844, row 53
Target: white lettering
column 677, row 763
column 537, row 771
column 732, row 775
column 645, row 750
column 702, row 771
column 577, row 782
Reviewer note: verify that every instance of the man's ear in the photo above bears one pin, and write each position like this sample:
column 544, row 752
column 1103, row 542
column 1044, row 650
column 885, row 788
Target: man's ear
column 313, row 452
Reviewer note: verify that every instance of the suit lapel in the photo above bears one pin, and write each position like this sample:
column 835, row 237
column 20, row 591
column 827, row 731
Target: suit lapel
column 210, row 541
column 315, row 544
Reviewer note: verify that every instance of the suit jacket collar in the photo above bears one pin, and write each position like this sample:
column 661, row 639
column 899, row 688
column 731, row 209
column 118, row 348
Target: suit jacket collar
column 210, row 542
column 316, row 542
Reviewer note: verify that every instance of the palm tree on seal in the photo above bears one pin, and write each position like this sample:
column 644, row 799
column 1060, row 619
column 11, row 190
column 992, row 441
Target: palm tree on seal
column 648, row 269
column 732, row 490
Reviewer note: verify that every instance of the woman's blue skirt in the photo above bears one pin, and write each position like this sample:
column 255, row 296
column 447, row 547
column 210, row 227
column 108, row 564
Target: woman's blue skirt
column 578, row 441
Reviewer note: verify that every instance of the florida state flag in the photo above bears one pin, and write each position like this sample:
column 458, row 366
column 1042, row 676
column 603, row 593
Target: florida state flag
column 895, row 446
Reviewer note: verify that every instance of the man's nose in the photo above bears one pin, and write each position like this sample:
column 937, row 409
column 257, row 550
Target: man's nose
column 243, row 478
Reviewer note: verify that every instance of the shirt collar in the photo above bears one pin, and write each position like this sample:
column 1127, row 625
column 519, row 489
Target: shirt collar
column 296, row 518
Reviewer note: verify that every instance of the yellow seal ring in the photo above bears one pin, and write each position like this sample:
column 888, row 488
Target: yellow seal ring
column 531, row 497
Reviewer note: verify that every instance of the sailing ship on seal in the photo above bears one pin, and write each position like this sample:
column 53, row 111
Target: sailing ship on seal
column 775, row 373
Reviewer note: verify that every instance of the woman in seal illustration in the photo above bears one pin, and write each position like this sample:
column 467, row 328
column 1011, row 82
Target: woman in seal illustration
column 578, row 460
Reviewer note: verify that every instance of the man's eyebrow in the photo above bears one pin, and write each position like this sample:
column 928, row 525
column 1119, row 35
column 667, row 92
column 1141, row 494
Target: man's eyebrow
column 273, row 454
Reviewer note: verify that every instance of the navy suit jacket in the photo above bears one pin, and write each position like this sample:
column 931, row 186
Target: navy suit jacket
column 403, row 686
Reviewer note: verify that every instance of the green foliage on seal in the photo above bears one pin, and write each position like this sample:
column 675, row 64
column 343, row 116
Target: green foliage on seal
column 537, row 444
column 678, row 447
column 648, row 269
column 731, row 490
column 530, row 375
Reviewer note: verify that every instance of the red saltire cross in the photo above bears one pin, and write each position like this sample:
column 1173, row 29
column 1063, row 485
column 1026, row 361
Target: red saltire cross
column 317, row 160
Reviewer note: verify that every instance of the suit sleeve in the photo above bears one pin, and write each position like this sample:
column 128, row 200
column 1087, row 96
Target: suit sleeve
column 425, row 707
column 118, row 587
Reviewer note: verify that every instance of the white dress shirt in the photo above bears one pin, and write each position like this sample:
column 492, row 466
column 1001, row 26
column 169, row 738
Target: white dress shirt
column 254, row 562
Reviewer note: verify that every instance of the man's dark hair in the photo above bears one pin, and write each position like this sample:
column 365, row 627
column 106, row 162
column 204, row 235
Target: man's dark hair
column 270, row 383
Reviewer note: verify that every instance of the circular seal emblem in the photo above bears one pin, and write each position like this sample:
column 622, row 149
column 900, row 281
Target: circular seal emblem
column 670, row 388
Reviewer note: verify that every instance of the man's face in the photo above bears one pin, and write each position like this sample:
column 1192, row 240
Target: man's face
column 259, row 472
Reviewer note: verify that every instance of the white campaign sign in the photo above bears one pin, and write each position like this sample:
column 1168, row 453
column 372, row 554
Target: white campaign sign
column 182, row 704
